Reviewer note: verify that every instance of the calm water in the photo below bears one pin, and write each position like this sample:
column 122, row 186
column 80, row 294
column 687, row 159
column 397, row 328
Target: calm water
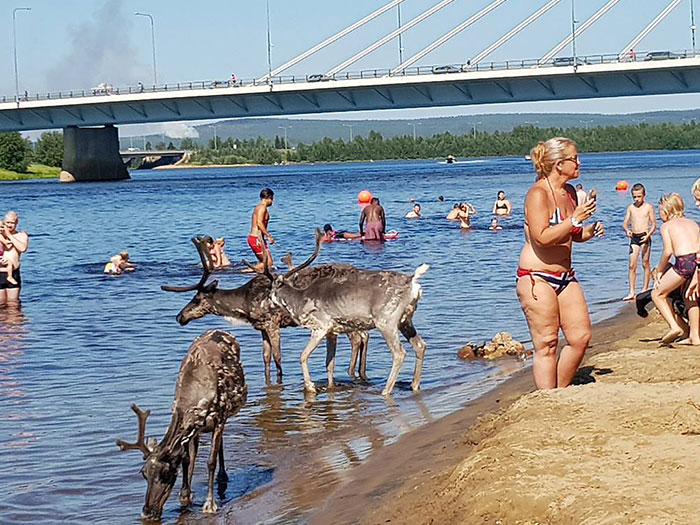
column 86, row 346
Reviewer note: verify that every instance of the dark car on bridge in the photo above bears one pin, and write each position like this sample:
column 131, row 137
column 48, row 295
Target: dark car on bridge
column 439, row 70
column 568, row 61
column 663, row 55
column 318, row 77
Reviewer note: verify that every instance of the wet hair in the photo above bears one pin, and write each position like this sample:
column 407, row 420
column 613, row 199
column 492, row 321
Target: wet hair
column 672, row 206
column 124, row 255
column 456, row 205
column 267, row 193
column 208, row 239
column 696, row 188
column 639, row 187
column 579, row 186
column 374, row 200
column 546, row 154
column 327, row 228
column 416, row 204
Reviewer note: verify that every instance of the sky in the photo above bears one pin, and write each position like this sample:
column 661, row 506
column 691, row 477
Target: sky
column 77, row 44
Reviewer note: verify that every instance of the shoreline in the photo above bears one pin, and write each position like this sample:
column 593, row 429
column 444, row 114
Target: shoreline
column 400, row 474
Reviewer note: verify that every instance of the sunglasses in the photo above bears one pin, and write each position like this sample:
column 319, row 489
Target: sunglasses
column 574, row 159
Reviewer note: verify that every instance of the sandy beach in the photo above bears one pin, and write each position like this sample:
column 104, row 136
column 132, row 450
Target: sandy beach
column 621, row 446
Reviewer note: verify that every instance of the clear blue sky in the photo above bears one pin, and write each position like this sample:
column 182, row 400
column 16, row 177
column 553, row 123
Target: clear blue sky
column 76, row 44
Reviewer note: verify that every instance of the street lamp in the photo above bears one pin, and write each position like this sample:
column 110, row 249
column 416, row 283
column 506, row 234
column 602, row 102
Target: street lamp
column 414, row 129
column 286, row 144
column 398, row 11
column 269, row 44
column 14, row 46
column 349, row 126
column 573, row 32
column 153, row 46
column 474, row 128
column 692, row 23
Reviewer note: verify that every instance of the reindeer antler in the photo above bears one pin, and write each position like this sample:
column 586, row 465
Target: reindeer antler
column 319, row 237
column 141, row 438
column 206, row 265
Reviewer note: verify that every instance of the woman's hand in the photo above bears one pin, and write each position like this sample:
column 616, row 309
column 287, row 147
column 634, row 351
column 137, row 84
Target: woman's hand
column 598, row 229
column 584, row 211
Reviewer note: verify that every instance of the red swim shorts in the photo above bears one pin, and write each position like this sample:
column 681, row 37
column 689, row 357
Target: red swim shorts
column 254, row 243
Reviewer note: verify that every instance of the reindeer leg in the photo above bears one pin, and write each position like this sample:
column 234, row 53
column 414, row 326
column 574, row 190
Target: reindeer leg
column 187, row 471
column 418, row 344
column 391, row 336
column 267, row 353
column 210, row 505
column 316, row 337
column 274, row 336
column 331, row 345
column 355, row 349
column 222, row 476
column 364, row 336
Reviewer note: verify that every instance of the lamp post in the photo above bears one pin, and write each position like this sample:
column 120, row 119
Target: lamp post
column 474, row 128
column 153, row 45
column 14, row 46
column 398, row 12
column 349, row 126
column 286, row 144
column 269, row 43
column 692, row 23
column 573, row 32
column 414, row 129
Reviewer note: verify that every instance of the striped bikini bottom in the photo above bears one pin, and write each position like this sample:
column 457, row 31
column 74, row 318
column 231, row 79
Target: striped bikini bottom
column 557, row 280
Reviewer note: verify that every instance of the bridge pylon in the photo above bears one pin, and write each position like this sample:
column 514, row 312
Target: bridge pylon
column 92, row 154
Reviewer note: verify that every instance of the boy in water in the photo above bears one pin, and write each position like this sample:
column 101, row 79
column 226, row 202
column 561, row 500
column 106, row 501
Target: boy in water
column 258, row 229
column 639, row 225
column 11, row 264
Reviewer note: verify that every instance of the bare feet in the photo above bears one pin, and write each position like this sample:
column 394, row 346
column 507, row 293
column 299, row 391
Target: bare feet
column 671, row 336
column 629, row 297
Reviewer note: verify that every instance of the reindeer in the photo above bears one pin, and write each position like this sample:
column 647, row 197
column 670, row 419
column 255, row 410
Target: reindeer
column 251, row 304
column 337, row 298
column 210, row 388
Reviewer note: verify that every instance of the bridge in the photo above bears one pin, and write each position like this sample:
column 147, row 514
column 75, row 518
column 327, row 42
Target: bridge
column 89, row 117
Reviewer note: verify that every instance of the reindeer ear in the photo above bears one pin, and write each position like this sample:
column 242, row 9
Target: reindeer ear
column 211, row 286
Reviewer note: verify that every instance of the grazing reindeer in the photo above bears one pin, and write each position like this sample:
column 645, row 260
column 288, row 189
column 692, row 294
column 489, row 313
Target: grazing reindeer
column 337, row 298
column 251, row 304
column 210, row 388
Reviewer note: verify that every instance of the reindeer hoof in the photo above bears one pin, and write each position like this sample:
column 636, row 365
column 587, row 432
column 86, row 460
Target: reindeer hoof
column 386, row 393
column 210, row 506
column 185, row 498
column 310, row 388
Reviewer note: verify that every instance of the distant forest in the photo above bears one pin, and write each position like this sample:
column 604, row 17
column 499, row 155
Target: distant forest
column 517, row 142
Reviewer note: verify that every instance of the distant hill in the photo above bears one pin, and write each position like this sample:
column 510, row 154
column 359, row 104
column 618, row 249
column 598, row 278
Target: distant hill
column 312, row 130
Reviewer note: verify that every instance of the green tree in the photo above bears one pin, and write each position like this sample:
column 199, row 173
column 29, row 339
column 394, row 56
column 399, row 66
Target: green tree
column 48, row 149
column 148, row 145
column 189, row 144
column 171, row 146
column 14, row 152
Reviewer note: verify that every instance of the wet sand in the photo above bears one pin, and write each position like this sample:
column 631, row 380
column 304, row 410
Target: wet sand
column 623, row 446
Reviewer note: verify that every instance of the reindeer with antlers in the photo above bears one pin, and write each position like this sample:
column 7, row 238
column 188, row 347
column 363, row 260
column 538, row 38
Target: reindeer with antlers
column 251, row 304
column 210, row 388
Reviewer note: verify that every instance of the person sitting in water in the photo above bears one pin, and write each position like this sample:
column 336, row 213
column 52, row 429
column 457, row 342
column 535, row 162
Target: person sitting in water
column 329, row 234
column 414, row 213
column 466, row 212
column 119, row 264
column 502, row 206
column 494, row 225
column 454, row 212
column 217, row 257
column 681, row 238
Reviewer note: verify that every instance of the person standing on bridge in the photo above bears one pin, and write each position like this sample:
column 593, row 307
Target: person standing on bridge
column 14, row 244
column 258, row 229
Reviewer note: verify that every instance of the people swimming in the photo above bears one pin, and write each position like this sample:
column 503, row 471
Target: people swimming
column 215, row 249
column 374, row 217
column 502, row 206
column 329, row 234
column 494, row 225
column 414, row 213
column 118, row 264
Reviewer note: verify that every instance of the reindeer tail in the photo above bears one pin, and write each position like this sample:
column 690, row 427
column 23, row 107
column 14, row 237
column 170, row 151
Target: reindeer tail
column 416, row 289
column 420, row 271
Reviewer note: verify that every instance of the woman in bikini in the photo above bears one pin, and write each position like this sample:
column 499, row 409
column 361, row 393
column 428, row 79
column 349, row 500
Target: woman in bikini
column 681, row 238
column 549, row 293
column 502, row 206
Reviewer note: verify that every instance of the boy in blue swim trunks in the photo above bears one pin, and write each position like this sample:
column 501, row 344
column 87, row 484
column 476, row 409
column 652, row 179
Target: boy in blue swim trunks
column 639, row 225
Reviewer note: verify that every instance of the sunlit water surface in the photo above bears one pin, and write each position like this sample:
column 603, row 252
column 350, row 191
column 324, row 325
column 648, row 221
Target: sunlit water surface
column 85, row 345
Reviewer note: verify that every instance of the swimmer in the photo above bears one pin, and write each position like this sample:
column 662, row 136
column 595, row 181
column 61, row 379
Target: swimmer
column 466, row 212
column 414, row 213
column 329, row 234
column 454, row 212
column 494, row 225
column 119, row 264
column 502, row 206
column 581, row 195
column 219, row 256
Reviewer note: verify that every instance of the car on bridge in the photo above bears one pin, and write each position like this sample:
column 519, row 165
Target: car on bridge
column 441, row 70
column 103, row 89
column 568, row 61
column 318, row 77
column 663, row 55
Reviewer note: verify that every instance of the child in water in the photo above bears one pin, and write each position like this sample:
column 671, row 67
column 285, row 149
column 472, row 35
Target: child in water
column 494, row 225
column 681, row 238
column 11, row 258
column 219, row 257
column 119, row 264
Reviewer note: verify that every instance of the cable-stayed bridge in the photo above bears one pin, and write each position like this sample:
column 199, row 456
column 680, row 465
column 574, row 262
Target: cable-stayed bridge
column 560, row 74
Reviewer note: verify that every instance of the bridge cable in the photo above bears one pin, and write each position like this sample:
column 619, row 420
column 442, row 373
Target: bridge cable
column 447, row 36
column 331, row 39
column 588, row 23
column 389, row 37
column 648, row 29
column 478, row 58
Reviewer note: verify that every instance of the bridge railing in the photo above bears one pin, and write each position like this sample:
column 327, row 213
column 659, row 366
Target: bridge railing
column 107, row 89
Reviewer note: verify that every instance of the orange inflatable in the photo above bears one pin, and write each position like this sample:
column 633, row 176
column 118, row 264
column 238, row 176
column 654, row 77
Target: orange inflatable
column 364, row 197
column 621, row 185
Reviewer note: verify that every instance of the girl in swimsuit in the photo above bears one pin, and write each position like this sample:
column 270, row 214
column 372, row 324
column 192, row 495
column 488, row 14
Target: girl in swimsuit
column 502, row 206
column 681, row 238
column 549, row 294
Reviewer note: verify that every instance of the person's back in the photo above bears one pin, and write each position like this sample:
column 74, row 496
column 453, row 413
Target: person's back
column 684, row 235
column 373, row 215
column 453, row 215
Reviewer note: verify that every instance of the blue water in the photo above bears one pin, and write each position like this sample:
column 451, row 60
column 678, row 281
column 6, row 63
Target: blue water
column 85, row 345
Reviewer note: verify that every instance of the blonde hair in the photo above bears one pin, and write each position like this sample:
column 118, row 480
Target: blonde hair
column 672, row 206
column 546, row 154
column 696, row 189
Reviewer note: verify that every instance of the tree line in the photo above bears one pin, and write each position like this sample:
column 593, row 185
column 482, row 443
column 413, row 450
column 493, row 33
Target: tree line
column 16, row 152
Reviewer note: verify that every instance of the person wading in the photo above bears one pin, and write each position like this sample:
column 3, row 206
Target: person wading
column 14, row 244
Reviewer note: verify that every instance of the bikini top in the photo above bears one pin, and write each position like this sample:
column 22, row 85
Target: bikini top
column 498, row 207
column 558, row 218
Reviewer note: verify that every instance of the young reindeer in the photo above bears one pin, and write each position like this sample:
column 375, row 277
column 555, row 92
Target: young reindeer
column 251, row 304
column 210, row 388
column 336, row 298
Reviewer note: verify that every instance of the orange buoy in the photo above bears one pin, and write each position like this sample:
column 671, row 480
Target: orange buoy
column 364, row 197
column 621, row 185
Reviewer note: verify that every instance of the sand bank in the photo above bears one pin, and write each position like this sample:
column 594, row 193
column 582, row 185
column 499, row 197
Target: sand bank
column 623, row 446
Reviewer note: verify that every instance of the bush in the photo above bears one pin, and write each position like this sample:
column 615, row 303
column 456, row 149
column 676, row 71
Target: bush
column 48, row 150
column 14, row 152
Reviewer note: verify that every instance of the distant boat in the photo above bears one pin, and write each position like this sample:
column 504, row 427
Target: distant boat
column 450, row 159
column 528, row 157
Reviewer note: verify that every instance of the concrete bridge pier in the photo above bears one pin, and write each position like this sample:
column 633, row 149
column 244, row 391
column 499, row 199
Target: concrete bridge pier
column 92, row 154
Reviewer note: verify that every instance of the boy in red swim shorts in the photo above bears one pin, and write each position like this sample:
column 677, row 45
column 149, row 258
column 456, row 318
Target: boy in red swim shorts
column 258, row 229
